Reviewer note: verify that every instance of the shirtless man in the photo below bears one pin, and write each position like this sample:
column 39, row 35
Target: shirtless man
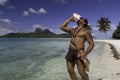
column 77, row 52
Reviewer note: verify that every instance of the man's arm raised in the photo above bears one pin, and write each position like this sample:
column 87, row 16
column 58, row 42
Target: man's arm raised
column 64, row 26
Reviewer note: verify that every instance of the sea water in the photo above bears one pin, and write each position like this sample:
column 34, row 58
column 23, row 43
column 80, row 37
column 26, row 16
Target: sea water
column 38, row 58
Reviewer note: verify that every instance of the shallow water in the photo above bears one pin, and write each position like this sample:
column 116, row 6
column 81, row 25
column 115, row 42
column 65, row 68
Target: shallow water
column 40, row 59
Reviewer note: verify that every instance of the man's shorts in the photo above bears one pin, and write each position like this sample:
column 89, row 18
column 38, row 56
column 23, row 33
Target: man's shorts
column 72, row 55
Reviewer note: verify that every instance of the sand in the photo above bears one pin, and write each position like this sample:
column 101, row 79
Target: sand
column 109, row 61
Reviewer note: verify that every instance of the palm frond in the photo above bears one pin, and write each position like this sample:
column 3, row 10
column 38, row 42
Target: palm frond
column 103, row 24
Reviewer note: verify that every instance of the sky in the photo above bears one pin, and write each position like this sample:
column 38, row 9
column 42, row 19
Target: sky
column 26, row 15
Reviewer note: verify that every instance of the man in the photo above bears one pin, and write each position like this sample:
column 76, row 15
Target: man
column 77, row 53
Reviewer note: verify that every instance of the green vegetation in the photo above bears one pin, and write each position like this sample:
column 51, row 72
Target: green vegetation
column 116, row 33
column 39, row 33
column 104, row 25
column 88, row 27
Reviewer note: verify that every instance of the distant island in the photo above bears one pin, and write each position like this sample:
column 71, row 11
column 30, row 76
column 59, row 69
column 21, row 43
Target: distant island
column 38, row 33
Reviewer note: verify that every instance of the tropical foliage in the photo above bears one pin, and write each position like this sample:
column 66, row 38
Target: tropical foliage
column 103, row 25
column 88, row 27
column 116, row 33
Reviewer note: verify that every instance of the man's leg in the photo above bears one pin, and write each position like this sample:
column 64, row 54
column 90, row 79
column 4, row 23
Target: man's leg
column 70, row 67
column 81, row 70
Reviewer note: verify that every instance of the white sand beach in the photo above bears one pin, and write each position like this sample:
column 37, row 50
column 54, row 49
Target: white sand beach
column 115, row 43
column 109, row 62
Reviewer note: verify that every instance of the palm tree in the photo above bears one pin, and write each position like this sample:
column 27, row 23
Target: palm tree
column 116, row 33
column 88, row 27
column 118, row 27
column 104, row 25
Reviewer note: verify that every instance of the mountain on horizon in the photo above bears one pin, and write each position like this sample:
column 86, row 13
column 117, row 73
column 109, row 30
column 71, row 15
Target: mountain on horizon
column 38, row 33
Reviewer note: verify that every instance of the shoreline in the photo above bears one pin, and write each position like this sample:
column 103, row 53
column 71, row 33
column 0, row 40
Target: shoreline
column 114, row 51
column 110, row 59
column 114, row 46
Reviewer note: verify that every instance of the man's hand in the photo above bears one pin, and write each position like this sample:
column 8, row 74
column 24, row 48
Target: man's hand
column 71, row 19
column 81, row 53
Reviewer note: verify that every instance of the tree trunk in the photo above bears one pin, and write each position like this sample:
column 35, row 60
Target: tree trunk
column 106, row 35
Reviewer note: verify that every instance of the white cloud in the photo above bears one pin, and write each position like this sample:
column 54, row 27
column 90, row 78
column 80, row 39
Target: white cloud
column 6, row 22
column 5, row 26
column 25, row 13
column 4, row 31
column 33, row 11
column 42, row 10
column 2, row 2
column 113, row 27
column 36, row 26
column 39, row 26
column 10, row 7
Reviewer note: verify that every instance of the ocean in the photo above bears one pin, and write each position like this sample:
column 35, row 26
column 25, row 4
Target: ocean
column 40, row 59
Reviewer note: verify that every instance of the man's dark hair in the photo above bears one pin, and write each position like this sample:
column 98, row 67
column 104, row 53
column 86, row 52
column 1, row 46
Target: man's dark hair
column 85, row 20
